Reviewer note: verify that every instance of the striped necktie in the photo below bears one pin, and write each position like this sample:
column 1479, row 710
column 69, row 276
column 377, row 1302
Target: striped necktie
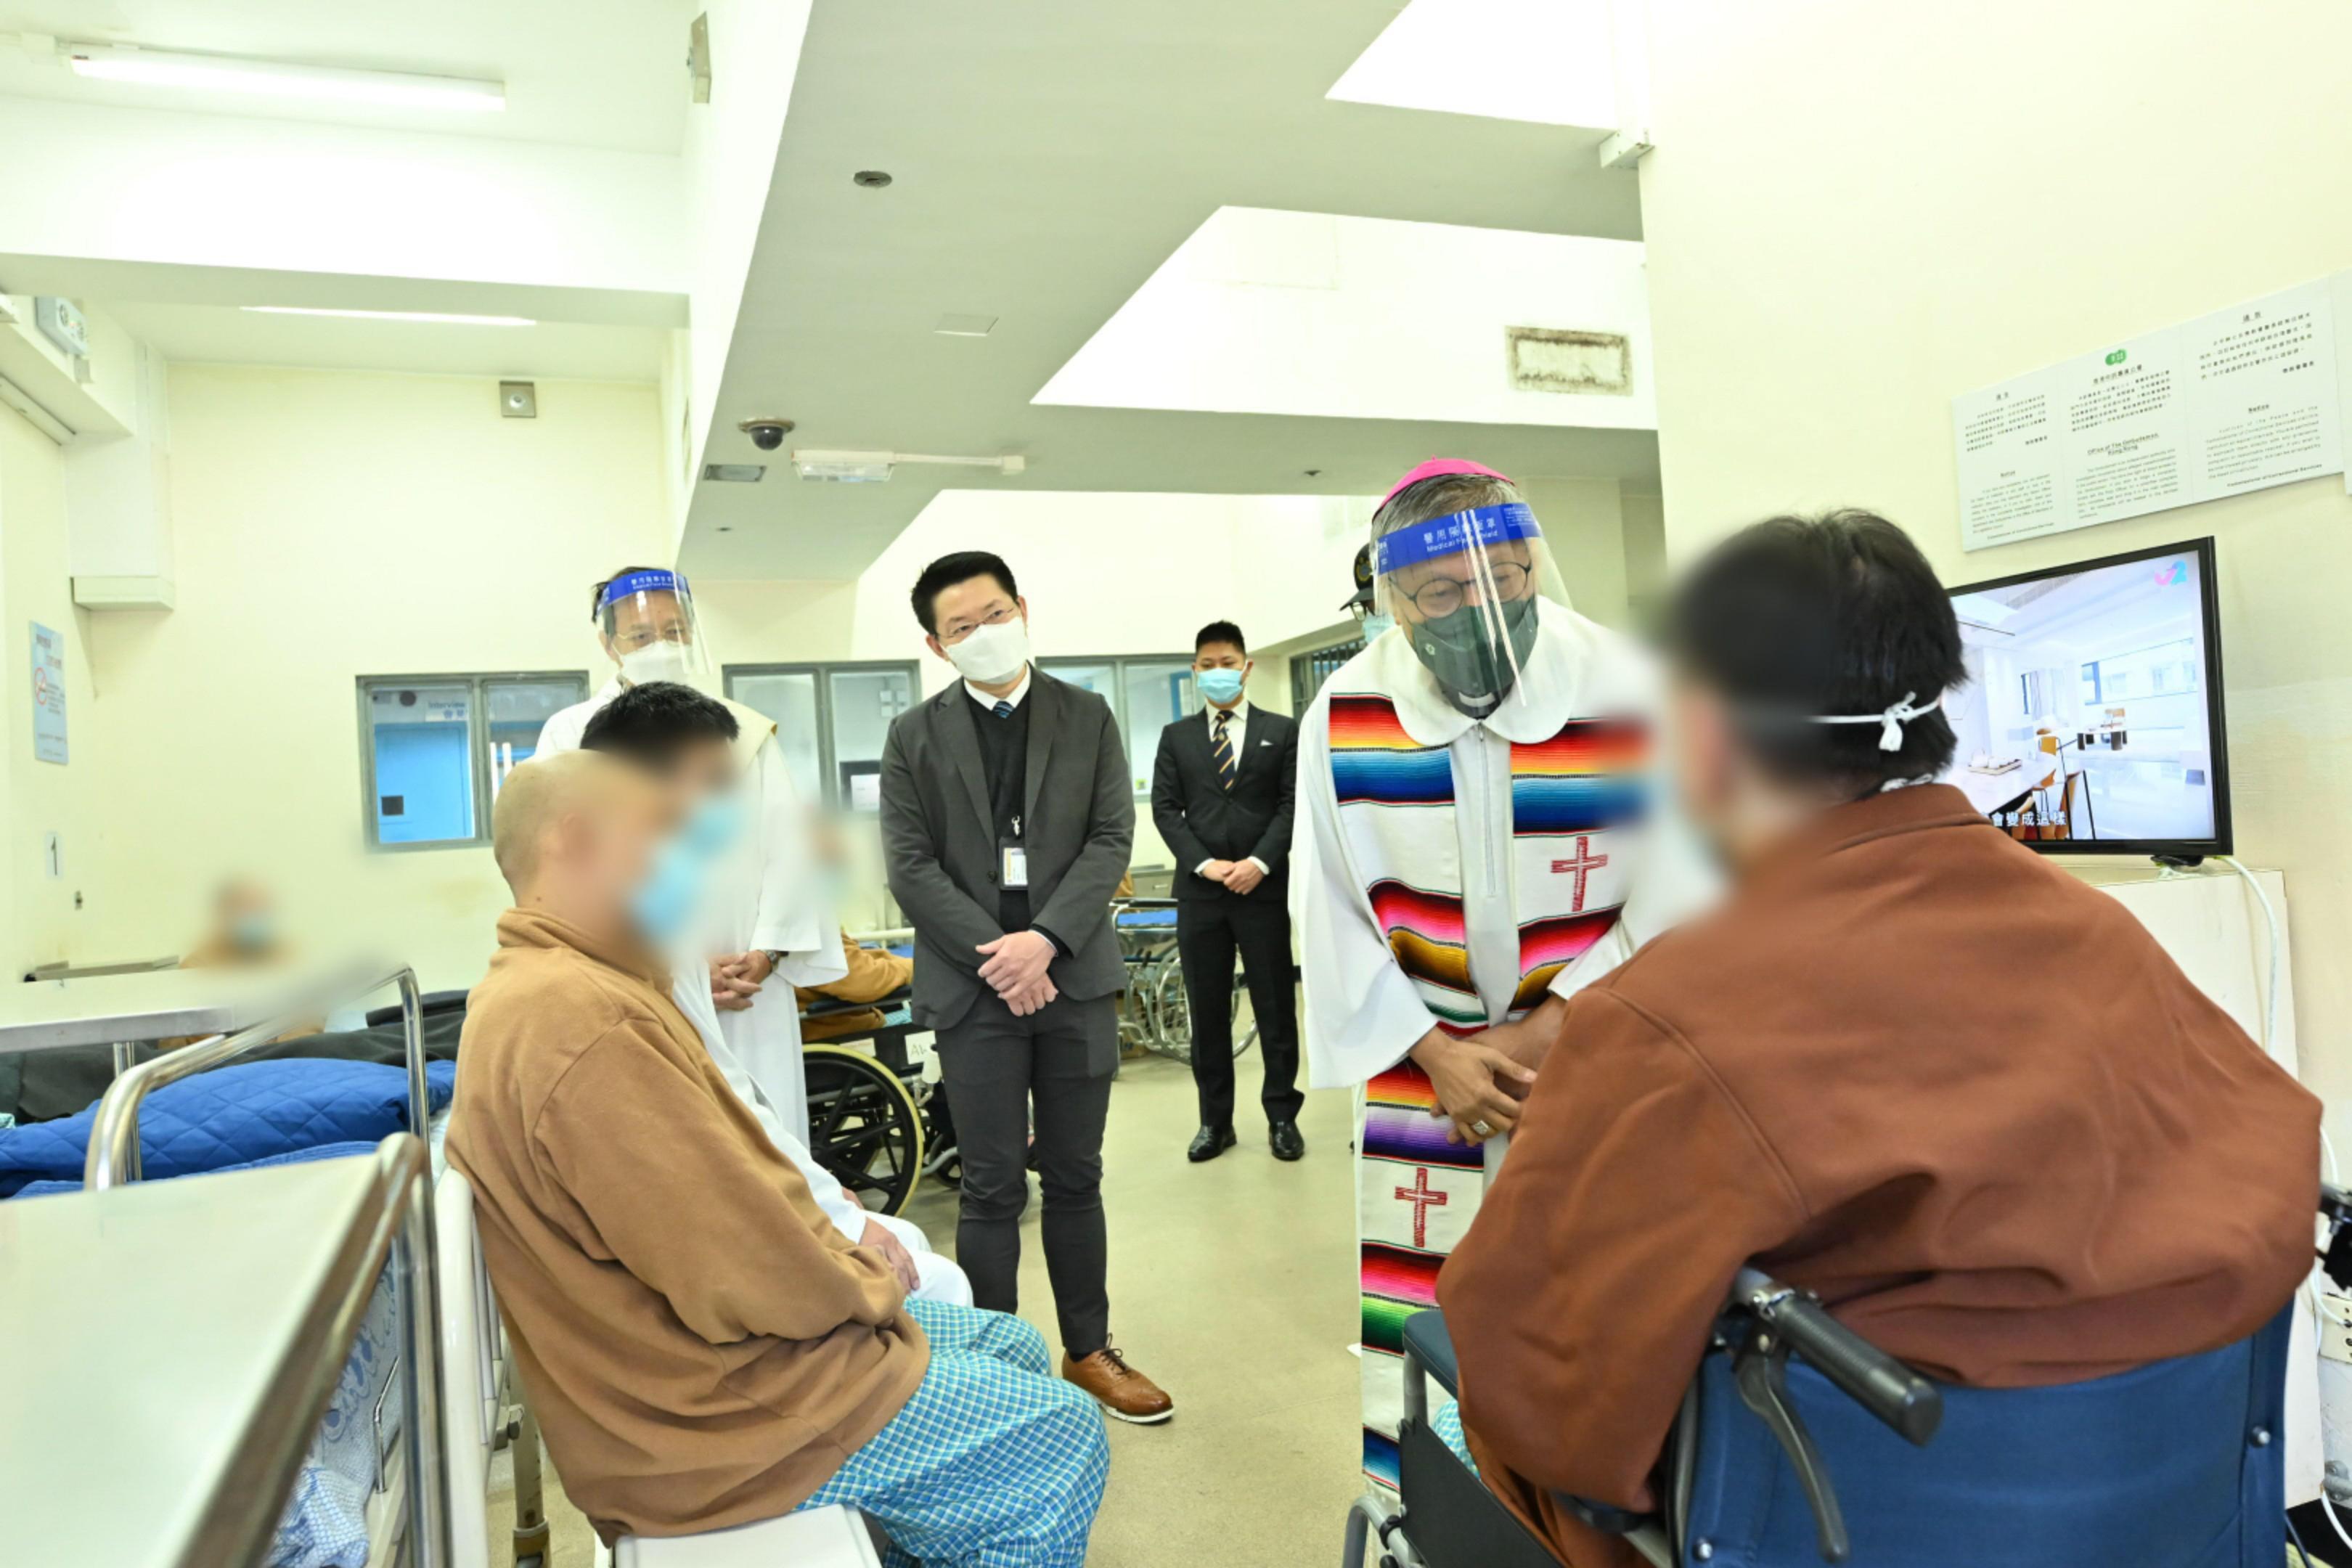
column 1223, row 748
column 1003, row 709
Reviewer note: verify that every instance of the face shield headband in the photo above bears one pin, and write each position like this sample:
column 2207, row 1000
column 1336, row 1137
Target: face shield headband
column 648, row 582
column 1453, row 535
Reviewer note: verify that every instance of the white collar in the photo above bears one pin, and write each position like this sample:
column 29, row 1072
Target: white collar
column 1577, row 668
column 1240, row 711
column 1013, row 696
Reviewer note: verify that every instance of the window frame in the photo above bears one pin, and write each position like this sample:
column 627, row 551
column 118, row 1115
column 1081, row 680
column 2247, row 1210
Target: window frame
column 1117, row 698
column 477, row 745
column 829, row 757
column 1305, row 684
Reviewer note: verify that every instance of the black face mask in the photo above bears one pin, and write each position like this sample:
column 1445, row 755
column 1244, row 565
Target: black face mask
column 1476, row 656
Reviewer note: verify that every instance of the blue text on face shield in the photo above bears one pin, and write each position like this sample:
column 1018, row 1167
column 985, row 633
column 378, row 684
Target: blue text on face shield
column 667, row 900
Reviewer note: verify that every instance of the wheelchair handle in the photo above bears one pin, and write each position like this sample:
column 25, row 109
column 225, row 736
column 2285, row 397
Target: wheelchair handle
column 1877, row 1382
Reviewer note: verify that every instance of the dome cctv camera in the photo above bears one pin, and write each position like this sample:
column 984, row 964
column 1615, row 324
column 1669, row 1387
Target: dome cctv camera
column 766, row 434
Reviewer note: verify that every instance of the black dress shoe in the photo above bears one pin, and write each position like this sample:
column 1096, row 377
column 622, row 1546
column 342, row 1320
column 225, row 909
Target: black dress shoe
column 1209, row 1142
column 1286, row 1142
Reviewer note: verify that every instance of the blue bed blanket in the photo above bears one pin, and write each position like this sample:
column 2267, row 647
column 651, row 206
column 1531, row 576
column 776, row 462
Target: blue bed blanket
column 234, row 1116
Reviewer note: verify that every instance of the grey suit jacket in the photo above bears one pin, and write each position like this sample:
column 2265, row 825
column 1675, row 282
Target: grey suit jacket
column 940, row 847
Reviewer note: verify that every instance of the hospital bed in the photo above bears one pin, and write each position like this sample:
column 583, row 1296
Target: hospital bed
column 223, row 1311
column 365, row 1442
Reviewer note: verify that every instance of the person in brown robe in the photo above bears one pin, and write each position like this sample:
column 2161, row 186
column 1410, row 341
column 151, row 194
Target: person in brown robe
column 1909, row 1066
column 705, row 1347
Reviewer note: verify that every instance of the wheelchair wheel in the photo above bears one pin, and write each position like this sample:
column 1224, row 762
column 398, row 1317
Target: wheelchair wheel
column 1171, row 1012
column 864, row 1126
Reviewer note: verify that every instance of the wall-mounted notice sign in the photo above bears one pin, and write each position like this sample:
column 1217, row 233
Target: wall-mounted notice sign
column 49, row 695
column 2239, row 400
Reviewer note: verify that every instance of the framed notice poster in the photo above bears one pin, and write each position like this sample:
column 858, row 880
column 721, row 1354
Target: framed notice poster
column 49, row 695
column 2240, row 400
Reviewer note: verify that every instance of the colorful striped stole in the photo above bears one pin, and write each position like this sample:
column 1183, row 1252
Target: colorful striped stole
column 1572, row 797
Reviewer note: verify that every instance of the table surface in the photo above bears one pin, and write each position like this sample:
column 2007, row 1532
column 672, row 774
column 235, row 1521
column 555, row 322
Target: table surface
column 51, row 1015
column 144, row 1326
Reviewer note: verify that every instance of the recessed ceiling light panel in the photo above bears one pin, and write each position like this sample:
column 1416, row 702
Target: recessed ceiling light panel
column 735, row 473
column 447, row 318
column 278, row 78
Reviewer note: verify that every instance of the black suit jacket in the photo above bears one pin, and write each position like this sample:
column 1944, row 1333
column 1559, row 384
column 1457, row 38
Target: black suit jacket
column 1202, row 820
column 939, row 841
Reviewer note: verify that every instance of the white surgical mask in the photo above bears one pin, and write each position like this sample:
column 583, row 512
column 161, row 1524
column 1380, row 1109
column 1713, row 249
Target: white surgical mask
column 657, row 661
column 991, row 656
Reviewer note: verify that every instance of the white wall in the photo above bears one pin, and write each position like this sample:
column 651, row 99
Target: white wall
column 729, row 163
column 39, row 923
column 332, row 525
column 1856, row 212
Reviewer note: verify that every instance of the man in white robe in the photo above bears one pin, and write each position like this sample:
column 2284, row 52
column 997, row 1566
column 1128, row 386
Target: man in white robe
column 686, row 738
column 1475, row 846
column 770, row 926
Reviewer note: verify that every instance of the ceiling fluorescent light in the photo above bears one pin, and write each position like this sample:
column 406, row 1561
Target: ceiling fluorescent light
column 276, row 78
column 874, row 468
column 447, row 318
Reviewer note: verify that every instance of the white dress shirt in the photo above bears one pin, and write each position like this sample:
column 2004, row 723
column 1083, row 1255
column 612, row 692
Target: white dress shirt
column 1013, row 696
column 1236, row 729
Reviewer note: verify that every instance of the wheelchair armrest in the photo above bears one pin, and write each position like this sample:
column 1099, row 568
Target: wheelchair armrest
column 1877, row 1382
column 1426, row 1337
column 1603, row 1517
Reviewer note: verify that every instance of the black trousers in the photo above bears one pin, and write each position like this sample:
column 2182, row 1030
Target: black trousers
column 1209, row 931
column 995, row 1068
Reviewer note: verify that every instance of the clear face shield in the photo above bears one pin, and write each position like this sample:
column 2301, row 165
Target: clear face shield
column 1463, row 589
column 647, row 621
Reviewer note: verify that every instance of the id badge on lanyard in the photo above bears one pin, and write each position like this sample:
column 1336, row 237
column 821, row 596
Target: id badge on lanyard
column 1013, row 860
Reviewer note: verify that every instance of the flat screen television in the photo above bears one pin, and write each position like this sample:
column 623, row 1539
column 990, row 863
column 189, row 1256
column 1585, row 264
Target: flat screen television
column 2091, row 722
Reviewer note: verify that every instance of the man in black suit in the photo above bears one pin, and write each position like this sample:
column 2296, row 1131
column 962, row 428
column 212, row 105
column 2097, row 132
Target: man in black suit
column 1008, row 817
column 1220, row 796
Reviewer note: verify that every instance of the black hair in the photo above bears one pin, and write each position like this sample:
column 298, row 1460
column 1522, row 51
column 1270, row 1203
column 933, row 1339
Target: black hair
column 1220, row 631
column 602, row 612
column 962, row 566
column 1833, row 615
column 650, row 724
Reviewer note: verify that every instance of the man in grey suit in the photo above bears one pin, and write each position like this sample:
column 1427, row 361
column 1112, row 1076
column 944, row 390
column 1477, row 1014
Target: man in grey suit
column 1007, row 820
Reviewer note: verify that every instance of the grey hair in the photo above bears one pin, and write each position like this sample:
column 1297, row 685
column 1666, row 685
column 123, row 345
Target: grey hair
column 1440, row 495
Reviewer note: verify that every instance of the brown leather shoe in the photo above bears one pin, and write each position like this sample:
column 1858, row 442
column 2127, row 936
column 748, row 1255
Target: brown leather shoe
column 1125, row 1393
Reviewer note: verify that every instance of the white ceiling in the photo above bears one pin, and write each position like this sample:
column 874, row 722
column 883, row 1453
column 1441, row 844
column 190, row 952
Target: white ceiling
column 217, row 334
column 1048, row 157
column 588, row 73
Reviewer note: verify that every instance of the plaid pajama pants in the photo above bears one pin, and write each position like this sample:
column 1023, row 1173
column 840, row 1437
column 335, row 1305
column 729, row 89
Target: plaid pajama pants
column 994, row 1463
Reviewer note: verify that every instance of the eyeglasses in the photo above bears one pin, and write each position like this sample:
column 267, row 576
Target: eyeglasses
column 1441, row 597
column 643, row 637
column 956, row 632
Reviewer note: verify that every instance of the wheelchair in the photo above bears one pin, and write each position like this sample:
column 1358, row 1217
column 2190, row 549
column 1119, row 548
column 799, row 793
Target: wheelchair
column 876, row 1121
column 2179, row 1464
column 1155, row 1014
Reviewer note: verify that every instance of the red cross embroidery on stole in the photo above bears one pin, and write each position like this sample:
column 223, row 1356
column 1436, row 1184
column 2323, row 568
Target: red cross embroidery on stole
column 1423, row 1198
column 1585, row 863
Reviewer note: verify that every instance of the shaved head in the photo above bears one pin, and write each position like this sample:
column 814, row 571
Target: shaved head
column 538, row 800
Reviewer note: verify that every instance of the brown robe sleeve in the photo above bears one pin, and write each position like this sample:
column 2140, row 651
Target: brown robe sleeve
column 681, row 1199
column 1581, row 1299
column 873, row 974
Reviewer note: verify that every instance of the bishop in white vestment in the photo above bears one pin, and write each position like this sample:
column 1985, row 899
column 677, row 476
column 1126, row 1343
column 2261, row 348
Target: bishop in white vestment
column 1475, row 844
